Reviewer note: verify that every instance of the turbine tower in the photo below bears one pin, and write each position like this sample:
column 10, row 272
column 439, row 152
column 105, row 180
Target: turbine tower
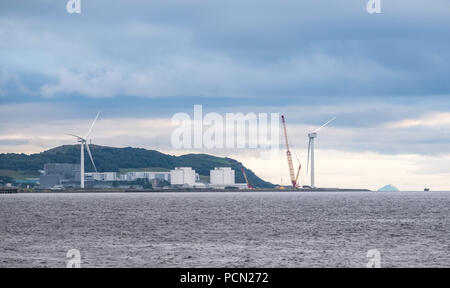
column 312, row 136
column 83, row 143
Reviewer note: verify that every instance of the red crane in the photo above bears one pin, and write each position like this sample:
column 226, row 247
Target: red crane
column 294, row 178
column 249, row 186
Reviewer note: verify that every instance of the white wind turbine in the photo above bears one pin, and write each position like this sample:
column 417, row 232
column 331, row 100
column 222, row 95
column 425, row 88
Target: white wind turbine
column 312, row 136
column 83, row 142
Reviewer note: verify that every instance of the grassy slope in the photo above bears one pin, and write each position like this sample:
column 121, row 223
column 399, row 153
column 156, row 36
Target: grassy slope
column 148, row 169
column 19, row 175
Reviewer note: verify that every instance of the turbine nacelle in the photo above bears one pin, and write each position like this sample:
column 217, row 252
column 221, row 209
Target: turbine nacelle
column 312, row 135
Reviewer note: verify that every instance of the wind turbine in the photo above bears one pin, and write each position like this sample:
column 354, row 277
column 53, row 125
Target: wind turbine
column 83, row 142
column 312, row 136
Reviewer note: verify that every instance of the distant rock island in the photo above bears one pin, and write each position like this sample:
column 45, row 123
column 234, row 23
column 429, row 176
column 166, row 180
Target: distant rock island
column 388, row 188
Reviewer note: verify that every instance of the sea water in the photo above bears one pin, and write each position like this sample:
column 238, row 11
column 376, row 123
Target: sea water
column 271, row 229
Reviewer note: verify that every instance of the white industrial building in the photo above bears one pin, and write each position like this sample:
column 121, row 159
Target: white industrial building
column 133, row 176
column 222, row 176
column 182, row 176
column 101, row 176
column 129, row 176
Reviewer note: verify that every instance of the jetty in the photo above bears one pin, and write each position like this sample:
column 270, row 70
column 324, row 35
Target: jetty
column 8, row 190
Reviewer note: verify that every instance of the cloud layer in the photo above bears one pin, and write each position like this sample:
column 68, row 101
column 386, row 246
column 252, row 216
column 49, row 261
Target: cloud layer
column 288, row 49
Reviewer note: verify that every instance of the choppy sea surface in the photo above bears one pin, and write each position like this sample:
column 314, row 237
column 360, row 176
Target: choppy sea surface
column 276, row 229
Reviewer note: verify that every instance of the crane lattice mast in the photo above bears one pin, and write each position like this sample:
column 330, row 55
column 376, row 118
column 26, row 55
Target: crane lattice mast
column 289, row 156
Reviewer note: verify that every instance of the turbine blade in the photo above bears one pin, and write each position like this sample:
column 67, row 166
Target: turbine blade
column 90, row 155
column 92, row 125
column 317, row 130
column 76, row 136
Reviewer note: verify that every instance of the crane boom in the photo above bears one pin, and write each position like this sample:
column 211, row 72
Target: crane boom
column 249, row 186
column 299, row 168
column 298, row 174
column 289, row 156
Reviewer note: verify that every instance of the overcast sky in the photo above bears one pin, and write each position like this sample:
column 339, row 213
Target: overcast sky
column 386, row 77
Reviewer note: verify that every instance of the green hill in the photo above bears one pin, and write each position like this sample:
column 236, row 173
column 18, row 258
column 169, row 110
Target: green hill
column 110, row 159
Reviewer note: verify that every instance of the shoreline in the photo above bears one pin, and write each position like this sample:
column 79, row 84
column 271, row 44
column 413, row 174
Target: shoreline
column 69, row 191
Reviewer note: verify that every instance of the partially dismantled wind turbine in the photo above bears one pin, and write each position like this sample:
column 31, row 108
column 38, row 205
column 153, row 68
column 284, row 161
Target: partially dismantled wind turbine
column 312, row 136
column 83, row 142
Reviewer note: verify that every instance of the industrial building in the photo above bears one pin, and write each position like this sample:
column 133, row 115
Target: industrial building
column 222, row 176
column 132, row 179
column 48, row 181
column 183, row 176
column 60, row 174
column 68, row 175
column 133, row 176
column 66, row 171
column 101, row 176
column 129, row 176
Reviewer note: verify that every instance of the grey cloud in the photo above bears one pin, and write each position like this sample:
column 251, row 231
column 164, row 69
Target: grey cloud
column 232, row 48
column 10, row 142
column 350, row 132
